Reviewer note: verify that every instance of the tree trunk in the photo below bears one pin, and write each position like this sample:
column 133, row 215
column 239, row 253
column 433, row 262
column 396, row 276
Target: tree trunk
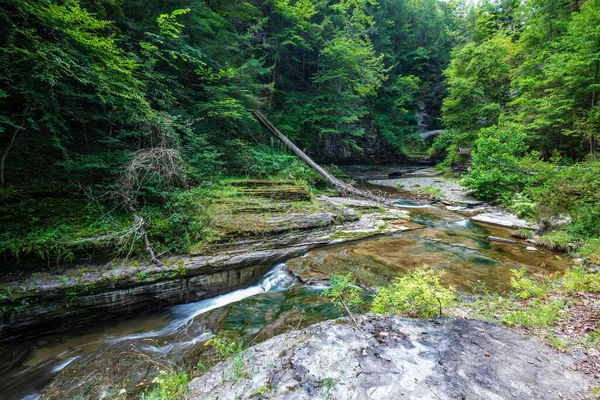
column 10, row 145
column 593, row 104
column 12, row 141
column 342, row 188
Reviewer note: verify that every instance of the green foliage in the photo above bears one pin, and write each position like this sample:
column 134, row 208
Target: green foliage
column 526, row 287
column 230, row 350
column 10, row 301
column 590, row 250
column 344, row 292
column 522, row 233
column 496, row 163
column 522, row 206
column 536, row 314
column 267, row 161
column 417, row 293
column 538, row 64
column 226, row 347
column 181, row 222
column 430, row 190
column 479, row 84
column 168, row 385
column 572, row 191
column 577, row 279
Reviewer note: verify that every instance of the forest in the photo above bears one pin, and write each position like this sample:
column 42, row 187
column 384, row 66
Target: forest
column 120, row 120
column 249, row 198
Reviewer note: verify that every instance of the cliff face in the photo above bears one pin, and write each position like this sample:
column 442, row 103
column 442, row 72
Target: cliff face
column 370, row 148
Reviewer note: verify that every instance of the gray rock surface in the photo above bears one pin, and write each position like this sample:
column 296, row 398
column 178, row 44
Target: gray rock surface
column 500, row 240
column 503, row 218
column 451, row 188
column 447, row 358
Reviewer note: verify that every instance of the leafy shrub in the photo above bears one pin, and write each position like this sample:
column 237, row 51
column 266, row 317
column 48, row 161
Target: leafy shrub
column 586, row 220
column 522, row 206
column 578, row 280
column 446, row 145
column 343, row 291
column 299, row 170
column 268, row 161
column 526, row 287
column 418, row 293
column 574, row 191
column 496, row 163
column 181, row 222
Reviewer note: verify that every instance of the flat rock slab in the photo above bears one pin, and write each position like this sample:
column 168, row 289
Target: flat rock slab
column 502, row 219
column 500, row 240
column 451, row 189
column 447, row 358
column 348, row 201
column 471, row 203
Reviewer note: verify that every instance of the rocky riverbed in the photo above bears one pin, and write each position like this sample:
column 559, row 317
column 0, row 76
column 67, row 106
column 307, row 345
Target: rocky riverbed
column 335, row 235
column 428, row 183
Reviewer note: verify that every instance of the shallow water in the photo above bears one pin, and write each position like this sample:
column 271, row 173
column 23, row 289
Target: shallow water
column 459, row 248
column 278, row 303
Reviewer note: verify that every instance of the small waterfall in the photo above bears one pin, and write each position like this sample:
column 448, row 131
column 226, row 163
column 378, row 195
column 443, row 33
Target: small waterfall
column 410, row 204
column 277, row 279
column 464, row 223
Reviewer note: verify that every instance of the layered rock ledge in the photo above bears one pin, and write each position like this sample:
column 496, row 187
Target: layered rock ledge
column 48, row 303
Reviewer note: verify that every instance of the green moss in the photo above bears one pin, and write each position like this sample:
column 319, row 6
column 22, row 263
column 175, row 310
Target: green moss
column 12, row 299
column 557, row 240
column 141, row 275
column 522, row 233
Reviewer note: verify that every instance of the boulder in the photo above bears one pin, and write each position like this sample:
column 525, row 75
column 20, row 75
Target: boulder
column 399, row 358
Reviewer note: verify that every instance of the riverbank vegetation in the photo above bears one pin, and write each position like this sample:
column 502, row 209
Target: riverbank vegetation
column 561, row 309
column 118, row 116
column 523, row 94
column 115, row 115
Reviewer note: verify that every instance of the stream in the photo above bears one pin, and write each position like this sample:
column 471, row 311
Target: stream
column 131, row 351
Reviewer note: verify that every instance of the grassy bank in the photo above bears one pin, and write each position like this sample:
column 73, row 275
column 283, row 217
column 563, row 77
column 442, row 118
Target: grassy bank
column 50, row 232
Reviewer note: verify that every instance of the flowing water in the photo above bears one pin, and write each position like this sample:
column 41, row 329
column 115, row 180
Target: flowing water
column 278, row 303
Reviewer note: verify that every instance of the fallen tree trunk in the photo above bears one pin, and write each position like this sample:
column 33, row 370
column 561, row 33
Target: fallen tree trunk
column 343, row 189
